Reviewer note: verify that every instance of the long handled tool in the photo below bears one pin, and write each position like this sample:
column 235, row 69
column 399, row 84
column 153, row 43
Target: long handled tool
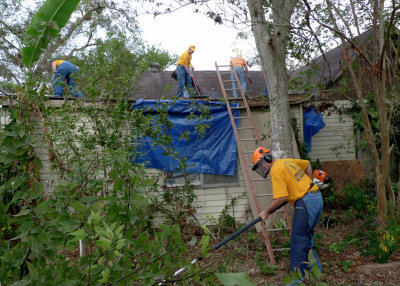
column 229, row 238
column 195, row 85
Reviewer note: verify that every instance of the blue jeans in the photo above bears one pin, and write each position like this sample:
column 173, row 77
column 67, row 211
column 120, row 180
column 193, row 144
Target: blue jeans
column 185, row 91
column 306, row 216
column 242, row 79
column 266, row 90
column 64, row 74
column 183, row 80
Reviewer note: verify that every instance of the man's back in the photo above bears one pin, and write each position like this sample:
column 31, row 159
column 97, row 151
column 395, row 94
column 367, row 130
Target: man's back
column 288, row 178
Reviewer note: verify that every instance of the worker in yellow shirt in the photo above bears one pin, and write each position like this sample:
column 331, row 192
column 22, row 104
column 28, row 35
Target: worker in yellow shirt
column 240, row 66
column 64, row 72
column 291, row 182
column 183, row 71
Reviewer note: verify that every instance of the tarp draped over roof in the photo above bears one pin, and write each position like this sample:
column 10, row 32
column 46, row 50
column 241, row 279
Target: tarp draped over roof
column 213, row 153
column 313, row 123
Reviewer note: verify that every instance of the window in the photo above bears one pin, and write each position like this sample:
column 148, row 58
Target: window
column 203, row 180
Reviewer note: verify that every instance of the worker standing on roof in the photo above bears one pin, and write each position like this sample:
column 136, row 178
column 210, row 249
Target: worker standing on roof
column 184, row 73
column 63, row 74
column 291, row 182
column 240, row 66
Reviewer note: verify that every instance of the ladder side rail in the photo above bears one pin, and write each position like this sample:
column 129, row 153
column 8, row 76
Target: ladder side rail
column 286, row 216
column 246, row 105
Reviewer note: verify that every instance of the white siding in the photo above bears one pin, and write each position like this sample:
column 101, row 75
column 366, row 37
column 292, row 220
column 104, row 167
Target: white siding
column 209, row 202
column 336, row 140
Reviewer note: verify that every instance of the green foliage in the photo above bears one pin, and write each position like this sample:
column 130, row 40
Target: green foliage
column 110, row 69
column 382, row 243
column 234, row 279
column 345, row 265
column 100, row 198
column 265, row 267
column 361, row 199
column 359, row 202
column 339, row 247
column 52, row 16
column 225, row 219
column 314, row 274
column 303, row 151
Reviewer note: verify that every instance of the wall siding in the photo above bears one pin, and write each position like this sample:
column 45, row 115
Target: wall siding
column 211, row 201
column 336, row 141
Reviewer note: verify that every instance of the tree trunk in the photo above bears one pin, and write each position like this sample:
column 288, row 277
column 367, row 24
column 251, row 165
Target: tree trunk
column 271, row 46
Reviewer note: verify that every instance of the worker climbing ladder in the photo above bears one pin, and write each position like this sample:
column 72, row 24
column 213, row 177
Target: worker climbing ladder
column 248, row 134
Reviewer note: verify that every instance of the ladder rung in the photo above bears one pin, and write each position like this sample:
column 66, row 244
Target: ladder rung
column 229, row 80
column 277, row 229
column 240, row 107
column 252, row 139
column 280, row 249
column 232, row 88
column 242, row 128
column 241, row 117
column 221, row 73
column 263, row 195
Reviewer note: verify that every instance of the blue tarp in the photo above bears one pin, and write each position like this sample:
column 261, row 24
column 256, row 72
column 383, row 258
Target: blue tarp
column 214, row 153
column 313, row 123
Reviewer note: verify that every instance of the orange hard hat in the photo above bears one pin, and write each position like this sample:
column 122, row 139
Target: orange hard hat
column 259, row 153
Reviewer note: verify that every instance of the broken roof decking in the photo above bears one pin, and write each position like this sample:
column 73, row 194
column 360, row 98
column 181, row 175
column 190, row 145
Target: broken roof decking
column 326, row 70
column 154, row 85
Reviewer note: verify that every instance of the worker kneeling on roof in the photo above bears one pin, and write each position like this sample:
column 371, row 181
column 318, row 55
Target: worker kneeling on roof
column 291, row 182
column 64, row 73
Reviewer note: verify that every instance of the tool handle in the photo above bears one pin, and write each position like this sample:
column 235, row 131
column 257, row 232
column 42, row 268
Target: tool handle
column 229, row 238
column 243, row 229
column 233, row 235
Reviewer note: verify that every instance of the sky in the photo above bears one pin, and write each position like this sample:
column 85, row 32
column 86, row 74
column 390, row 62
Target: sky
column 175, row 32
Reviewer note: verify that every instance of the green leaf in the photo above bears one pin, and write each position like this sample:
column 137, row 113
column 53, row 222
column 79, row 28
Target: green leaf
column 43, row 207
column 23, row 212
column 32, row 270
column 205, row 242
column 104, row 243
column 24, row 282
column 193, row 241
column 78, row 235
column 233, row 279
column 78, row 206
column 118, row 185
column 52, row 16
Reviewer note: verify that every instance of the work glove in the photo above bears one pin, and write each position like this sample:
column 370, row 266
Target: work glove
column 320, row 184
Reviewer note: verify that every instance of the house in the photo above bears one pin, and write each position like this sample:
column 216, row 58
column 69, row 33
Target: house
column 334, row 143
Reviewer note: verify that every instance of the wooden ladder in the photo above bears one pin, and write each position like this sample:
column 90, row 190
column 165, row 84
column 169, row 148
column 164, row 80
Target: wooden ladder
column 245, row 156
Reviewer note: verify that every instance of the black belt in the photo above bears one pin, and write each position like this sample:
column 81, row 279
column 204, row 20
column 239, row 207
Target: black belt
column 311, row 186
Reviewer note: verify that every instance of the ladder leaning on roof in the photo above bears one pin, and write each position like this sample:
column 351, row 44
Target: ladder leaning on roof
column 244, row 157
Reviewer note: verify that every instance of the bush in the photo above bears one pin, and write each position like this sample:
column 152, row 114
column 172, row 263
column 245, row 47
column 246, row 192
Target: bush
column 383, row 243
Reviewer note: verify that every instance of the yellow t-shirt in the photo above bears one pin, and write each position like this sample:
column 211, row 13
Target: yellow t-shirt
column 289, row 179
column 237, row 61
column 185, row 59
column 59, row 62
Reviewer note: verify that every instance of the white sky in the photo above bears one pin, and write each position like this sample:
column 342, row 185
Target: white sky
column 176, row 31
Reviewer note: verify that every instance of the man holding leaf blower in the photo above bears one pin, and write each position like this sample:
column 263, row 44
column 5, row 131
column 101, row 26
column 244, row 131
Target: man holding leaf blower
column 292, row 183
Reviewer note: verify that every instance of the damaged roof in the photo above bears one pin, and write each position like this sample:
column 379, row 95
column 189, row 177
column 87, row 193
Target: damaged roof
column 158, row 84
column 322, row 71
